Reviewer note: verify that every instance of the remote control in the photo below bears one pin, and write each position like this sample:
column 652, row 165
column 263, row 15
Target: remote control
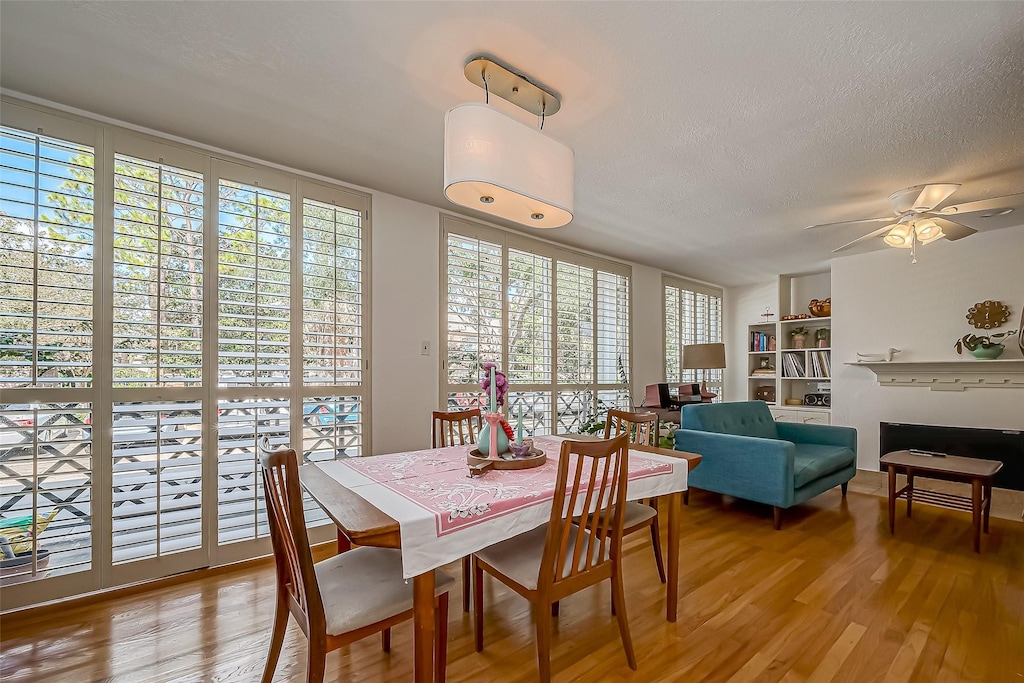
column 934, row 454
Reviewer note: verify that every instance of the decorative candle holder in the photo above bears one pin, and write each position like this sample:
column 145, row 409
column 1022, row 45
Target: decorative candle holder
column 493, row 441
column 521, row 450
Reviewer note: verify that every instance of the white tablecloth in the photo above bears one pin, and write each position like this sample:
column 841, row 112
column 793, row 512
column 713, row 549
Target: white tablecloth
column 445, row 515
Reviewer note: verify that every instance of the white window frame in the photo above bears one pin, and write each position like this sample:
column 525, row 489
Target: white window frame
column 106, row 140
column 512, row 240
column 700, row 331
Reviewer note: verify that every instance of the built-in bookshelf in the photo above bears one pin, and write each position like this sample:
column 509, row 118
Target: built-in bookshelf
column 782, row 366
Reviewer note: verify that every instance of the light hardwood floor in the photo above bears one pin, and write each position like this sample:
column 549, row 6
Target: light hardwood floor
column 831, row 597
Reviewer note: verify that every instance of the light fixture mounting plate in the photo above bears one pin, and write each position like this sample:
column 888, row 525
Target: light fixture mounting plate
column 514, row 86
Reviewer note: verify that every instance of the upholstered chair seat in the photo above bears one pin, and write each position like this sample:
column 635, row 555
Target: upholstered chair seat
column 365, row 585
column 519, row 557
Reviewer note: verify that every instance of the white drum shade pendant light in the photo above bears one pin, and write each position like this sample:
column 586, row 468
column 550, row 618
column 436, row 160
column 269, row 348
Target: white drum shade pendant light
column 495, row 164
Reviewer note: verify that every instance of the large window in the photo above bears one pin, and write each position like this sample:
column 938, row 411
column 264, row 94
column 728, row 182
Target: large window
column 160, row 312
column 693, row 315
column 556, row 321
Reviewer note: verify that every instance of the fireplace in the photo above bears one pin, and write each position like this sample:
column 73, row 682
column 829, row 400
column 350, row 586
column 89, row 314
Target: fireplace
column 1004, row 445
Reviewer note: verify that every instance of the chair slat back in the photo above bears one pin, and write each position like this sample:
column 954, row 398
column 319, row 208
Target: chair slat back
column 592, row 484
column 283, row 498
column 456, row 428
column 642, row 428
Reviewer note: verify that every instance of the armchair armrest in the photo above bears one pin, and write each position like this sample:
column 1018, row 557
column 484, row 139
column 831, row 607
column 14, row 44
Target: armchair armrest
column 826, row 435
column 744, row 466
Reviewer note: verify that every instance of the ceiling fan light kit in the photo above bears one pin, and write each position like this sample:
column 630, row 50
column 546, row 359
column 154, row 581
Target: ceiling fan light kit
column 918, row 221
column 495, row 164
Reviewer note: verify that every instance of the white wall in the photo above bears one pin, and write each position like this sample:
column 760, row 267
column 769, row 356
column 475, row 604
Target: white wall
column 648, row 330
column 881, row 300
column 405, row 304
column 807, row 287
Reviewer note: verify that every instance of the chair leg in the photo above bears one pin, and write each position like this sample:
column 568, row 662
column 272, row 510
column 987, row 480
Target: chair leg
column 478, row 604
column 316, row 660
column 385, row 640
column 276, row 639
column 466, row 570
column 441, row 655
column 554, row 608
column 686, row 497
column 656, row 543
column 344, row 545
column 543, row 619
column 845, row 485
column 777, row 516
column 619, row 603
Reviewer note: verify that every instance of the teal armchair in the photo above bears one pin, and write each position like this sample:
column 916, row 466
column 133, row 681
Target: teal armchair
column 748, row 455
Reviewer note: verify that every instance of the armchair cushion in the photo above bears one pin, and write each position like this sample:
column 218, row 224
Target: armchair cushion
column 813, row 461
column 749, row 418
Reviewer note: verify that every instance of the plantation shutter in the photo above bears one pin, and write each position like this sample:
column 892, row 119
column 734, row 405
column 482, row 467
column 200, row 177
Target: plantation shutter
column 474, row 314
column 566, row 346
column 693, row 315
column 157, row 319
column 613, row 345
column 47, row 252
column 254, row 346
column 334, row 313
column 530, row 291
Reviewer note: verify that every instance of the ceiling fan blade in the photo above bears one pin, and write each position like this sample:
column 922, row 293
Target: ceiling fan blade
column 887, row 219
column 876, row 233
column 993, row 204
column 953, row 231
column 921, row 198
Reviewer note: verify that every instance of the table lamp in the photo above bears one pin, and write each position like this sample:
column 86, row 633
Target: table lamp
column 704, row 357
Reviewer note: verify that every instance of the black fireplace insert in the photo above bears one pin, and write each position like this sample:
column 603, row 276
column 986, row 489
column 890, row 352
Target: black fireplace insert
column 1005, row 445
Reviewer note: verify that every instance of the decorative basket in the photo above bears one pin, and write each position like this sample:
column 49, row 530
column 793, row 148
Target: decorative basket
column 820, row 309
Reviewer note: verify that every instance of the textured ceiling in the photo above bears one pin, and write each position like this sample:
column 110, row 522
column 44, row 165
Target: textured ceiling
column 707, row 135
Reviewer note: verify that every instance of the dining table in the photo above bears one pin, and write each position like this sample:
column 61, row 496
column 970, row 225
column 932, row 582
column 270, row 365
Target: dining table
column 426, row 504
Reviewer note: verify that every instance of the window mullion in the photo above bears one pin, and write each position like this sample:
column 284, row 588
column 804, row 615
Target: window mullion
column 505, row 355
column 102, row 354
column 297, row 319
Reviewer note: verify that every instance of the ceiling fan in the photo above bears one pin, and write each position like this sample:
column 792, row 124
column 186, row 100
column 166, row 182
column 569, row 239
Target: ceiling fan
column 916, row 220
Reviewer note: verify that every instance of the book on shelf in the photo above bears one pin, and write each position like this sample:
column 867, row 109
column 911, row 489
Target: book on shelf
column 821, row 365
column 759, row 341
column 764, row 371
column 793, row 365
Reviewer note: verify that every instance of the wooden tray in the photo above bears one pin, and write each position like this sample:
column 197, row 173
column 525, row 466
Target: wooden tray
column 480, row 463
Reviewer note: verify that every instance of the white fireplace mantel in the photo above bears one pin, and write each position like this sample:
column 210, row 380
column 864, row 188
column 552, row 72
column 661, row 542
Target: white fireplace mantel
column 956, row 375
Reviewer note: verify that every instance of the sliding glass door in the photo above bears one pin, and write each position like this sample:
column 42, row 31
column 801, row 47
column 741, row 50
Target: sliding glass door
column 160, row 312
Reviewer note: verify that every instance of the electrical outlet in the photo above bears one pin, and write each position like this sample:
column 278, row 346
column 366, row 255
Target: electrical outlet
column 424, row 348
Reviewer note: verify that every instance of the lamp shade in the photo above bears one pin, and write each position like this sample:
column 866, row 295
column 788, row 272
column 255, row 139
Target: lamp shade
column 899, row 236
column 927, row 231
column 703, row 356
column 494, row 164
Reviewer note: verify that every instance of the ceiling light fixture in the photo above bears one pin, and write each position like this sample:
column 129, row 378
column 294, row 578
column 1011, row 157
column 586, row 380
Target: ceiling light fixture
column 495, row 164
column 919, row 220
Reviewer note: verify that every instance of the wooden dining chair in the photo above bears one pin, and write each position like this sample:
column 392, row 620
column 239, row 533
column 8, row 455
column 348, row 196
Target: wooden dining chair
column 642, row 428
column 560, row 557
column 341, row 599
column 456, row 428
